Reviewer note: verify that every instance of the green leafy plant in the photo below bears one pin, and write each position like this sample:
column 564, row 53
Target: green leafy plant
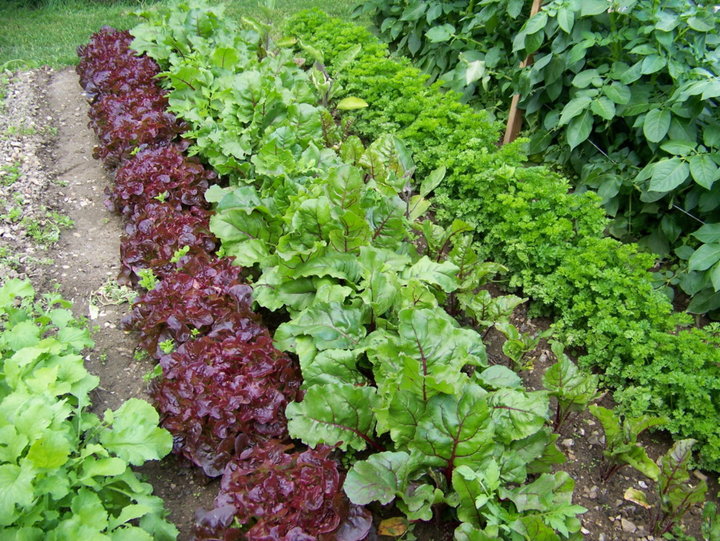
column 633, row 113
column 148, row 280
column 9, row 174
column 548, row 236
column 621, row 445
column 167, row 346
column 676, row 495
column 518, row 344
column 329, row 225
column 710, row 525
column 573, row 390
column 66, row 472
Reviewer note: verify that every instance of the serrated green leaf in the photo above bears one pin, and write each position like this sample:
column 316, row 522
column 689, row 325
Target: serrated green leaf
column 17, row 491
column 50, row 451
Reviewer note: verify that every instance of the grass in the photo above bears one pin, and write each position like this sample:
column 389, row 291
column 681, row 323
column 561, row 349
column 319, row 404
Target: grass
column 49, row 33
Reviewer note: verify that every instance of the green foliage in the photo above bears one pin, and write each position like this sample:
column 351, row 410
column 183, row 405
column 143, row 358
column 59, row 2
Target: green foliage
column 621, row 445
column 65, row 473
column 710, row 524
column 329, row 224
column 632, row 112
column 551, row 240
column 148, row 280
column 677, row 496
column 574, row 390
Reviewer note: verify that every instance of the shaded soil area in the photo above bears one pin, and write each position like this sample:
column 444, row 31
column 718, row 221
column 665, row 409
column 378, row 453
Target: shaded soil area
column 46, row 143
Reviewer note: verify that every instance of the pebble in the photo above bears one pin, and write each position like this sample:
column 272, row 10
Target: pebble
column 596, row 439
column 627, row 526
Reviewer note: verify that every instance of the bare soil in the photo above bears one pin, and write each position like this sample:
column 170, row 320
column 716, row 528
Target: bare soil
column 57, row 172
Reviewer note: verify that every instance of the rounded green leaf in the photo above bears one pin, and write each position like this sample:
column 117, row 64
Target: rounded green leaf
column 668, row 175
column 704, row 170
column 700, row 24
column 579, row 129
column 566, row 19
column 584, row 78
column 438, row 34
column 377, row 479
column 657, row 124
column 536, row 23
column 704, row 257
column 334, row 414
column 351, row 104
column 653, row 64
column 134, row 435
column 573, row 108
column 715, row 276
column 619, row 93
column 604, row 108
column 708, row 233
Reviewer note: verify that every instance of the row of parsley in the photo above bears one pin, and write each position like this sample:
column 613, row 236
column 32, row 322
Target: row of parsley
column 328, row 225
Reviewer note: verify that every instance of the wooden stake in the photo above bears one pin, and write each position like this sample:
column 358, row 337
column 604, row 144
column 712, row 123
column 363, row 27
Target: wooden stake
column 514, row 124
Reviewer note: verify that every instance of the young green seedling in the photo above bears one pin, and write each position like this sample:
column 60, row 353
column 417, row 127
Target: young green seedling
column 572, row 389
column 621, row 445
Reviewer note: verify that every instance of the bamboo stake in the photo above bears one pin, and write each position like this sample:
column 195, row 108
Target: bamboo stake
column 514, row 124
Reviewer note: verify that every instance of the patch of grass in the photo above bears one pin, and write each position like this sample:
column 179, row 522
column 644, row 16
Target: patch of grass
column 46, row 230
column 47, row 32
column 9, row 174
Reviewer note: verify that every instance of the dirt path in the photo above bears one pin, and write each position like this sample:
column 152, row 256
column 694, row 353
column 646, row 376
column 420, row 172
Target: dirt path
column 85, row 258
